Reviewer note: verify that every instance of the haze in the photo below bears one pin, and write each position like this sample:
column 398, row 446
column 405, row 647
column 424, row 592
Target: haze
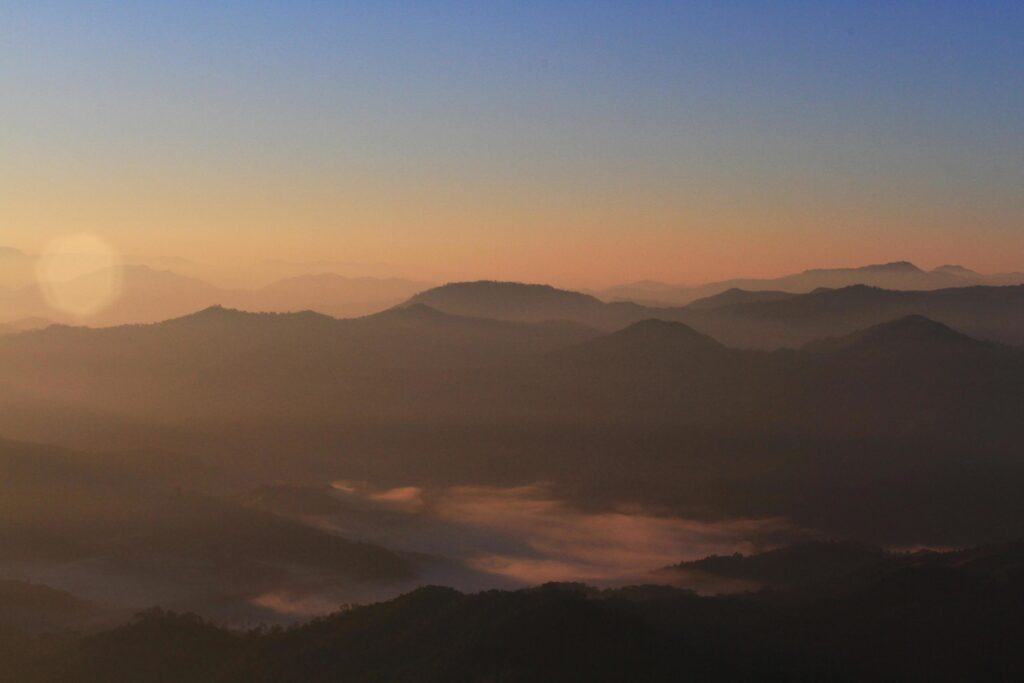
column 452, row 342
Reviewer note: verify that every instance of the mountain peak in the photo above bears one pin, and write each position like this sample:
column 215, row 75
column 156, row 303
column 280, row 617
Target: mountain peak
column 652, row 339
column 954, row 269
column 735, row 296
column 893, row 267
column 414, row 311
column 215, row 312
column 909, row 331
column 508, row 301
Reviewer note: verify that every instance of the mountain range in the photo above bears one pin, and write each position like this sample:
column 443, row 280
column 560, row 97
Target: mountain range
column 924, row 616
column 898, row 275
column 415, row 393
column 759, row 320
column 150, row 295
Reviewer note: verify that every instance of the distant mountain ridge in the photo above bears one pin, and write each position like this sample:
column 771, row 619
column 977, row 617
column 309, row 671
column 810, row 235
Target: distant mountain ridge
column 148, row 295
column 742, row 319
column 901, row 275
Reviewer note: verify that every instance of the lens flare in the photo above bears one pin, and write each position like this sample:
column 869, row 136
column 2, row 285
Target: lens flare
column 80, row 275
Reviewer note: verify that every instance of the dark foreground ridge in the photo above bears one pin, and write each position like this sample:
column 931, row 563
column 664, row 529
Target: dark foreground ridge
column 922, row 616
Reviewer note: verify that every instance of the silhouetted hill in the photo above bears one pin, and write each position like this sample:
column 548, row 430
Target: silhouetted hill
column 900, row 275
column 31, row 606
column 24, row 325
column 761, row 320
column 987, row 313
column 912, row 333
column 528, row 303
column 734, row 296
column 803, row 564
column 923, row 617
column 415, row 394
column 134, row 535
column 654, row 343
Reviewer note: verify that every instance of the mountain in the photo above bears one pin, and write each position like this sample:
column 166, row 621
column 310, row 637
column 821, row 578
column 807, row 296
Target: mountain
column 757, row 320
column 146, row 295
column 910, row 416
column 913, row 333
column 528, row 303
column 988, row 313
column 734, row 296
column 221, row 361
column 24, row 325
column 654, row 343
column 925, row 616
column 34, row 607
column 900, row 275
column 815, row 562
column 86, row 522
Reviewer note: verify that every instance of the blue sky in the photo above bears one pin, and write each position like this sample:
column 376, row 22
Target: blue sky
column 494, row 123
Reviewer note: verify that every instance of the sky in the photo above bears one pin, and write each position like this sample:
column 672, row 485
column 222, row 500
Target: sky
column 577, row 143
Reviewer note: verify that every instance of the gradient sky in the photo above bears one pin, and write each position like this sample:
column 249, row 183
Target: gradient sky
column 579, row 143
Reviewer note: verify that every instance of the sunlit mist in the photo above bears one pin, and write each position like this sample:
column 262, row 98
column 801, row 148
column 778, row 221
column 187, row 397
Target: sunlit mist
column 80, row 274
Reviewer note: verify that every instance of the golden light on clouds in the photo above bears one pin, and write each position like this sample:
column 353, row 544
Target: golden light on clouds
column 80, row 274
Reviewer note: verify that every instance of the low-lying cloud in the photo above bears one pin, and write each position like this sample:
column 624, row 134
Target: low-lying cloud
column 527, row 535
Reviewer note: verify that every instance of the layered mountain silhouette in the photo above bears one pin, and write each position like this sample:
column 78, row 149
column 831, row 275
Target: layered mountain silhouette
column 416, row 392
column 752, row 319
column 147, row 295
column 805, row 565
column 528, row 303
column 121, row 524
column 900, row 275
column 925, row 616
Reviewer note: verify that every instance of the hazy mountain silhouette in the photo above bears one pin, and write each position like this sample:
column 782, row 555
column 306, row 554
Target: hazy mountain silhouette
column 913, row 333
column 926, row 616
column 150, row 295
column 751, row 320
column 989, row 313
column 146, row 295
column 34, row 607
column 811, row 563
column 133, row 535
column 528, row 303
column 657, row 344
column 734, row 296
column 900, row 275
column 24, row 325
column 414, row 394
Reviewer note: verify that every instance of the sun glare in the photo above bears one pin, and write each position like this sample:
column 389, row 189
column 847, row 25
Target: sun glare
column 80, row 274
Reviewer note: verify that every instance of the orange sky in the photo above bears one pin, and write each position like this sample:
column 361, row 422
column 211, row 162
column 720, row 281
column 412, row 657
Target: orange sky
column 579, row 145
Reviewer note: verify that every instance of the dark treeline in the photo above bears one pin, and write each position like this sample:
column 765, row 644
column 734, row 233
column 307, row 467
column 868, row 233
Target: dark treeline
column 925, row 616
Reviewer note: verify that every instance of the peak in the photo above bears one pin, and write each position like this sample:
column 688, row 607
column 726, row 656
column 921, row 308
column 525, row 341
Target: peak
column 734, row 296
column 498, row 286
column 218, row 313
column 654, row 332
column 214, row 312
column 895, row 266
column 917, row 326
column 909, row 331
column 506, row 300
column 953, row 269
column 414, row 311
